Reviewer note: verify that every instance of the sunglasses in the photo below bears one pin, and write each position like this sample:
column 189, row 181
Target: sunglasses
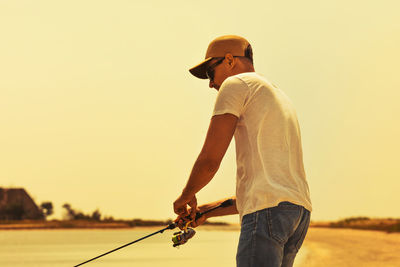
column 210, row 69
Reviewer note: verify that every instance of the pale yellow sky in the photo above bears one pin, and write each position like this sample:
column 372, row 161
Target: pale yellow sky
column 98, row 108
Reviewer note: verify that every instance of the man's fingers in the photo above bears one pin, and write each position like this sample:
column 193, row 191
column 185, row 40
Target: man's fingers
column 193, row 204
column 180, row 224
column 185, row 215
column 193, row 214
column 180, row 205
column 181, row 221
column 181, row 211
column 197, row 222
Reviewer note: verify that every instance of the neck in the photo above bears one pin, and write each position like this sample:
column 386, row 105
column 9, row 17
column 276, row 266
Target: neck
column 242, row 70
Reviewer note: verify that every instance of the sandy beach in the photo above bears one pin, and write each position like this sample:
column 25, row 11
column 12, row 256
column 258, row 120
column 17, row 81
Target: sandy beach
column 325, row 247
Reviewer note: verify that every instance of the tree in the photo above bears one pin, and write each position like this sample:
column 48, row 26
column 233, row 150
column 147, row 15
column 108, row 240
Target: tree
column 47, row 208
column 78, row 215
column 96, row 215
column 70, row 212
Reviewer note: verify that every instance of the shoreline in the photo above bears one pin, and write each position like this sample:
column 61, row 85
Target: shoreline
column 82, row 224
column 376, row 225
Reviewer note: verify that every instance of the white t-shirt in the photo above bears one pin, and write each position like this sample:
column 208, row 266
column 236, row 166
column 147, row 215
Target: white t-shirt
column 269, row 155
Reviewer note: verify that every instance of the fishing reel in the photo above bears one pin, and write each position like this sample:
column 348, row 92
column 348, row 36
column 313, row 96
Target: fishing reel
column 181, row 237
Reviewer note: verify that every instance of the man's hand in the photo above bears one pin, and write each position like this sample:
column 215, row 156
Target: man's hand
column 180, row 206
column 181, row 221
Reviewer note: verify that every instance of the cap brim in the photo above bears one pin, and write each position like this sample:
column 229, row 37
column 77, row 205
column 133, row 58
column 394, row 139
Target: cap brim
column 199, row 71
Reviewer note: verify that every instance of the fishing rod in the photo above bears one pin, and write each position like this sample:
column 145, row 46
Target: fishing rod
column 179, row 238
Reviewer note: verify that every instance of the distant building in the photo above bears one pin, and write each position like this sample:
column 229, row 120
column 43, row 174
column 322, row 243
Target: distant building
column 16, row 204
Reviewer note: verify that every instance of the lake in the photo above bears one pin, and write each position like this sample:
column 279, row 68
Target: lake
column 45, row 248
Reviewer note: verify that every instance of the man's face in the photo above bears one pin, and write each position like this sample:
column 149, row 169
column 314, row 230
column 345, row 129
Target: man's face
column 217, row 72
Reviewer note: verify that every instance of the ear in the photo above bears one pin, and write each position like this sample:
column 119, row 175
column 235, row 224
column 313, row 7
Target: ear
column 230, row 60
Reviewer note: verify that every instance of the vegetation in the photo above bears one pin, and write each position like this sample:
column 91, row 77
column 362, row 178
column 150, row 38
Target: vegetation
column 216, row 223
column 364, row 223
column 20, row 212
column 140, row 222
column 47, row 208
column 12, row 217
column 72, row 214
column 78, row 215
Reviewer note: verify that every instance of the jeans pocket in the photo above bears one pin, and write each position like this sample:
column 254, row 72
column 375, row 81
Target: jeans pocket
column 283, row 221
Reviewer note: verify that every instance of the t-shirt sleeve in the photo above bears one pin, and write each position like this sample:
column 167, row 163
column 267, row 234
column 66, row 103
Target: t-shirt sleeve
column 231, row 97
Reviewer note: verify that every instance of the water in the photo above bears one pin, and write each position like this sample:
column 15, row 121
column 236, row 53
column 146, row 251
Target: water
column 45, row 248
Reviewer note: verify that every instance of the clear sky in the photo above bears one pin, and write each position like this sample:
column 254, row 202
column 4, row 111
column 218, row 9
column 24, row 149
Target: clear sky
column 98, row 109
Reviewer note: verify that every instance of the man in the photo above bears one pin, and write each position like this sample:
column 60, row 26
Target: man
column 272, row 195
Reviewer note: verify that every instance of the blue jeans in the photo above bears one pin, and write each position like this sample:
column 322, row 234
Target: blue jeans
column 271, row 237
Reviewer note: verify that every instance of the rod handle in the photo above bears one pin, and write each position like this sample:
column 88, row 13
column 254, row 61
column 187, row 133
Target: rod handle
column 226, row 203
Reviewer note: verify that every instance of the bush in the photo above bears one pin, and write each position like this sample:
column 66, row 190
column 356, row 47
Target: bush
column 47, row 208
column 78, row 215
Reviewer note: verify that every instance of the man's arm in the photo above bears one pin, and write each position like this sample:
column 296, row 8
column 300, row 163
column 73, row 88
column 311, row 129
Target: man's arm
column 181, row 220
column 219, row 135
column 230, row 210
column 218, row 138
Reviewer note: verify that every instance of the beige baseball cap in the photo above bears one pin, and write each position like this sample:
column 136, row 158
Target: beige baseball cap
column 219, row 47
